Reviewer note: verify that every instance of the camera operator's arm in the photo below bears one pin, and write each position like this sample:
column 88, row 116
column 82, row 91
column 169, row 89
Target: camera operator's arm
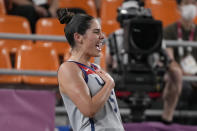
column 169, row 34
column 170, row 53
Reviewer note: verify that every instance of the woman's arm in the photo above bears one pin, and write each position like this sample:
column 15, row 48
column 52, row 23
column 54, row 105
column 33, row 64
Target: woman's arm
column 72, row 84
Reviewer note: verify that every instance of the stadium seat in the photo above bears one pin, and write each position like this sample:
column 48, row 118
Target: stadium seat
column 51, row 26
column 164, row 10
column 37, row 58
column 14, row 24
column 87, row 5
column 108, row 15
column 2, row 8
column 5, row 63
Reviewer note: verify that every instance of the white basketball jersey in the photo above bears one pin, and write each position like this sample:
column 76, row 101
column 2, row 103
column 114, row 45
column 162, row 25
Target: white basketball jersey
column 107, row 119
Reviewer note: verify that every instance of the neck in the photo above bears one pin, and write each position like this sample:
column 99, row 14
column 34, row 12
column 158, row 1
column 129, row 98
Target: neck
column 80, row 57
column 187, row 25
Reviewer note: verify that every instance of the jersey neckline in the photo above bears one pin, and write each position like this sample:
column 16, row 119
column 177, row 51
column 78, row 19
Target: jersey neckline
column 90, row 67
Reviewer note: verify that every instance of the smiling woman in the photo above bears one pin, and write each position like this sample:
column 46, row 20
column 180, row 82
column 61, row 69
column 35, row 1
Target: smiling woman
column 87, row 91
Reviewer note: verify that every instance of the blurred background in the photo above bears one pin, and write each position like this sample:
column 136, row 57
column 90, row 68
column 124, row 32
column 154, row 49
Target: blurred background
column 33, row 45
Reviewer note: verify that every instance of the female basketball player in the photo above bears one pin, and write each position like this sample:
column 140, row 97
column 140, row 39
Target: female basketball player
column 87, row 90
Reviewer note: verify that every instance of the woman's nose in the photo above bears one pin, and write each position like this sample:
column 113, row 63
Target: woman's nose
column 102, row 36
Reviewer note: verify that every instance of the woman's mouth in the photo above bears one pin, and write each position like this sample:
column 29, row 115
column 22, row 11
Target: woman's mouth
column 99, row 46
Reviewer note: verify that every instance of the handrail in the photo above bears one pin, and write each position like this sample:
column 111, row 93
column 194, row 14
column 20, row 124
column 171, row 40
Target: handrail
column 168, row 43
column 54, row 73
column 171, row 43
column 32, row 37
column 28, row 72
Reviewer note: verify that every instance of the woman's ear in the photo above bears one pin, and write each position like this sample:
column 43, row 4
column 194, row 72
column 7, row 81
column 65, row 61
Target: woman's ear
column 78, row 38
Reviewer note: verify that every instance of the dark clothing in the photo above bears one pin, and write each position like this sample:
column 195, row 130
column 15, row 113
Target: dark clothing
column 170, row 33
column 27, row 11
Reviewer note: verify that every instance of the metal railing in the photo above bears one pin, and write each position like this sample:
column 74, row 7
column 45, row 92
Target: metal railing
column 61, row 110
column 32, row 37
column 149, row 112
column 168, row 43
column 54, row 73
column 28, row 72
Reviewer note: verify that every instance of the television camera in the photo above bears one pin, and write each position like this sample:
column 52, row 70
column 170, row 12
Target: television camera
column 138, row 55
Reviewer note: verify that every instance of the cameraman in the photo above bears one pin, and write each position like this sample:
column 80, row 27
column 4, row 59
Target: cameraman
column 184, row 29
column 173, row 79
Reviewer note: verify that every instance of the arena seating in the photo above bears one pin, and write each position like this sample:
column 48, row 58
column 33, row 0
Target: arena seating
column 14, row 24
column 37, row 58
column 164, row 10
column 108, row 14
column 87, row 5
column 5, row 63
column 51, row 26
column 48, row 55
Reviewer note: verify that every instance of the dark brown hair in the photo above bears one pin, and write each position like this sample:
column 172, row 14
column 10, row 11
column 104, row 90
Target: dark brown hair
column 74, row 23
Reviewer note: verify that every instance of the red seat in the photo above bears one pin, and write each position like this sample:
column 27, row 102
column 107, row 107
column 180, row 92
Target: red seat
column 108, row 15
column 37, row 58
column 5, row 63
column 14, row 24
column 51, row 26
column 164, row 10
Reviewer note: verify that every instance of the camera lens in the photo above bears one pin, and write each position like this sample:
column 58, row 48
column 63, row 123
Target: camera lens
column 145, row 37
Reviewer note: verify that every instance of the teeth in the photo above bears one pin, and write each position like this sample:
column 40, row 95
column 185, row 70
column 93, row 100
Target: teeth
column 98, row 47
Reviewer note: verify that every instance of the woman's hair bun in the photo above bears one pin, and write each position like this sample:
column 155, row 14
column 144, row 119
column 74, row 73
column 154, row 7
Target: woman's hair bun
column 64, row 16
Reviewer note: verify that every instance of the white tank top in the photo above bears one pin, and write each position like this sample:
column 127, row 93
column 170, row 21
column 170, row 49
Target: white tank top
column 107, row 119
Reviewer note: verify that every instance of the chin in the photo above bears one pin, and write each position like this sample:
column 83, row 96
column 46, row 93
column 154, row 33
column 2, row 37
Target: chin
column 97, row 55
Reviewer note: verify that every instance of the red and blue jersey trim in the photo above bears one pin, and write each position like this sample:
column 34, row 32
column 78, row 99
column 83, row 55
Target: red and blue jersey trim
column 86, row 69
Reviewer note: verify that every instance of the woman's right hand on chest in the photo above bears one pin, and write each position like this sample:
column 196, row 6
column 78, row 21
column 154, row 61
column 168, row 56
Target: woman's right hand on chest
column 106, row 77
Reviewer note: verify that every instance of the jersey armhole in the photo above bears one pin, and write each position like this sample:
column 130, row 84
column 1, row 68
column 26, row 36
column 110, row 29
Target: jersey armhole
column 85, row 76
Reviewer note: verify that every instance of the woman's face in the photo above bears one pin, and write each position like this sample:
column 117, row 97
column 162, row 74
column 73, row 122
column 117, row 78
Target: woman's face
column 93, row 39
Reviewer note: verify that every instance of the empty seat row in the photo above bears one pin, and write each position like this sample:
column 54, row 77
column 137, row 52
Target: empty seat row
column 45, row 26
column 164, row 10
column 30, row 58
column 33, row 57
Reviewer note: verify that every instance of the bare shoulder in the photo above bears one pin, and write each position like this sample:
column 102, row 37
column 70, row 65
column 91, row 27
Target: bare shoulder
column 68, row 68
column 69, row 75
column 69, row 72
